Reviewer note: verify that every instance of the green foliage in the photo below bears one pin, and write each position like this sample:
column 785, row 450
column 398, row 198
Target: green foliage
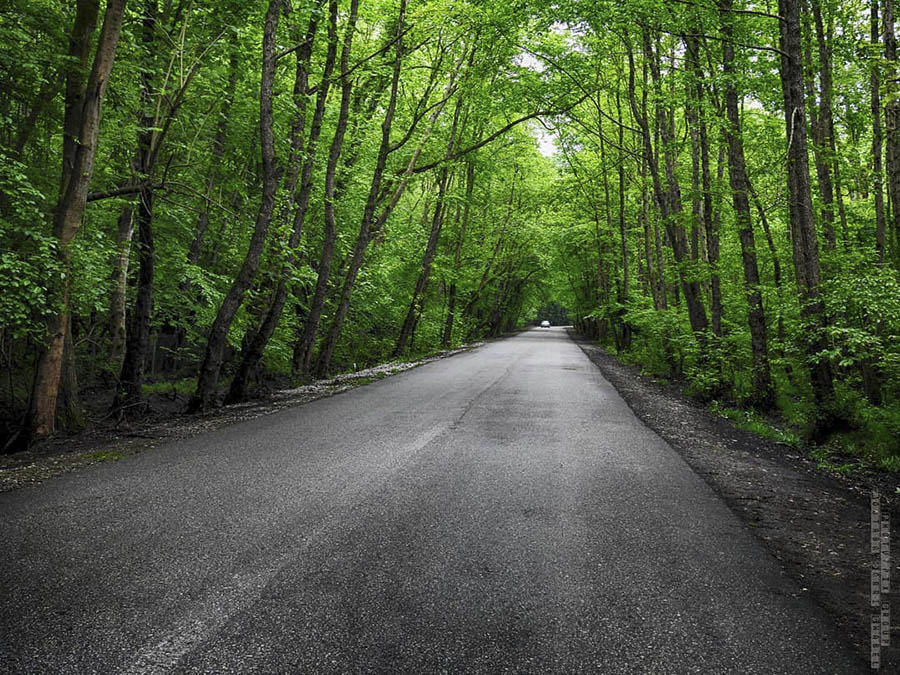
column 752, row 421
column 184, row 387
column 29, row 264
column 103, row 456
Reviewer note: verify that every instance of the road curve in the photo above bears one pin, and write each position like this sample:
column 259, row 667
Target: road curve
column 501, row 511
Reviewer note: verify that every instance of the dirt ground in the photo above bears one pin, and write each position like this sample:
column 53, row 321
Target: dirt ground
column 814, row 522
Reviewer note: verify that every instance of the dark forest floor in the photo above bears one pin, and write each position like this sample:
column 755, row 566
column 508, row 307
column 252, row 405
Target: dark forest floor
column 816, row 523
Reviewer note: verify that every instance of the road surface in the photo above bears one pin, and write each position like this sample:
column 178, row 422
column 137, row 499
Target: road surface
column 501, row 511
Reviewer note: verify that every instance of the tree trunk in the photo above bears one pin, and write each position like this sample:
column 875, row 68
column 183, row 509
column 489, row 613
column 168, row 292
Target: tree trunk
column 776, row 264
column 418, row 299
column 713, row 250
column 803, row 229
column 208, row 377
column 41, row 420
column 117, row 332
column 370, row 224
column 71, row 413
column 669, row 200
column 892, row 119
column 138, row 339
column 447, row 335
column 255, row 345
column 623, row 231
column 763, row 391
column 648, row 163
column 877, row 140
column 817, row 127
column 710, row 230
column 330, row 234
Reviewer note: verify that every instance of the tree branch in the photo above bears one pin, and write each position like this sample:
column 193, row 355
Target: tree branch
column 496, row 134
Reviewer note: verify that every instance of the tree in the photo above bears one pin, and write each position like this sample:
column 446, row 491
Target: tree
column 84, row 104
column 218, row 335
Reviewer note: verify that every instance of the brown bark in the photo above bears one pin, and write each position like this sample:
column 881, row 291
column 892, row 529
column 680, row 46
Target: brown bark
column 803, row 229
column 86, row 14
column 69, row 409
column 78, row 168
column 208, row 377
column 763, row 391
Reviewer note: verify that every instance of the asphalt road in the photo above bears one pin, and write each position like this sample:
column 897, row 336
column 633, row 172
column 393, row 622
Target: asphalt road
column 501, row 511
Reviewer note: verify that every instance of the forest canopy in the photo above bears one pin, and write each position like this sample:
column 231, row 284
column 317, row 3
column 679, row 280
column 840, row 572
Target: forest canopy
column 219, row 196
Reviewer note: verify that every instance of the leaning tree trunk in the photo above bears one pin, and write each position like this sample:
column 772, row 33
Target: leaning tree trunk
column 208, row 377
column 87, row 104
column 330, row 235
column 437, row 222
column 255, row 346
column 418, row 297
column 369, row 223
column 447, row 335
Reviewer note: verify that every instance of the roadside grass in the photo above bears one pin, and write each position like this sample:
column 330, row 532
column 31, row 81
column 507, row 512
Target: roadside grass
column 844, row 452
column 184, row 387
column 753, row 422
column 103, row 456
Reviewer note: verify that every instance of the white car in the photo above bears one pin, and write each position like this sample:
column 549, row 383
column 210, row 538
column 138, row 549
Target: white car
column 545, row 324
